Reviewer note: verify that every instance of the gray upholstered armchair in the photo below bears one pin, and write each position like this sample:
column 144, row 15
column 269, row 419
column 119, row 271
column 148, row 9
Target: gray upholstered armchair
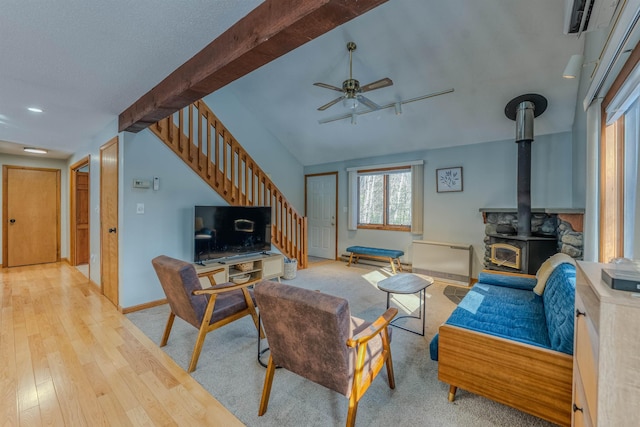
column 313, row 335
column 205, row 309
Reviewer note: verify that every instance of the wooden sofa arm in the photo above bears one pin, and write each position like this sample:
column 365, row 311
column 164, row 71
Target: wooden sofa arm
column 529, row 378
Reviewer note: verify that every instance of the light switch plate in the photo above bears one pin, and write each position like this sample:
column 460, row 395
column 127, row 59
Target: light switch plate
column 140, row 208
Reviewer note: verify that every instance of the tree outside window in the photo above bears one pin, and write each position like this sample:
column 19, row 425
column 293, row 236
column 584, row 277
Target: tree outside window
column 384, row 199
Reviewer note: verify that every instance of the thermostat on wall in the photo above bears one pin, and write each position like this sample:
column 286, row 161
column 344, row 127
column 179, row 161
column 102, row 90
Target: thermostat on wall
column 141, row 183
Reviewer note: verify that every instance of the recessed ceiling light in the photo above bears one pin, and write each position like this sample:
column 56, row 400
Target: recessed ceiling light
column 35, row 109
column 35, row 150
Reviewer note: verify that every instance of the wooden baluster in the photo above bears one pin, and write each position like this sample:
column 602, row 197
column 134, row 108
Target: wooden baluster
column 236, row 177
column 180, row 127
column 200, row 140
column 190, row 133
column 217, row 154
column 225, row 150
column 209, row 150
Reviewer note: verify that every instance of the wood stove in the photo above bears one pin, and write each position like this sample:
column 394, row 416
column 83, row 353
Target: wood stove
column 522, row 252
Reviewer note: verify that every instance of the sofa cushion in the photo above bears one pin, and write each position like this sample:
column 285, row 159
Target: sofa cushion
column 505, row 312
column 506, row 280
column 558, row 298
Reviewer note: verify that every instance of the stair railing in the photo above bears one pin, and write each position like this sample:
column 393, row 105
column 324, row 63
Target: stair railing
column 197, row 136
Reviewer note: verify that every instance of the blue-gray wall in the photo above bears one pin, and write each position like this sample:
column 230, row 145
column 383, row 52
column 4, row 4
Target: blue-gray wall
column 489, row 181
column 166, row 227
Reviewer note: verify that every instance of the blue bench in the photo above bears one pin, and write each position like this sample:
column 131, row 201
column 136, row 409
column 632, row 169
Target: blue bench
column 391, row 255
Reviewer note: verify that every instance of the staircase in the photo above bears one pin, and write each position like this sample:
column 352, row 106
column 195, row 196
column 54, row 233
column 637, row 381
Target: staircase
column 197, row 136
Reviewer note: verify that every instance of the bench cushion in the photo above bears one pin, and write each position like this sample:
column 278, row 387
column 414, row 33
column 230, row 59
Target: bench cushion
column 364, row 250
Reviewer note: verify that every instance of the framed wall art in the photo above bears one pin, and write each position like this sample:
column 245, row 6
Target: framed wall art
column 449, row 179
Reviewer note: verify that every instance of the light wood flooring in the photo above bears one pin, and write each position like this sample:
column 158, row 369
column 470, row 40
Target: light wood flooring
column 69, row 358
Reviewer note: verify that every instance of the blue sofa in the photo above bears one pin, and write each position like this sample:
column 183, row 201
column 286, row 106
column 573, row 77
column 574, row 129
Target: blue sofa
column 506, row 343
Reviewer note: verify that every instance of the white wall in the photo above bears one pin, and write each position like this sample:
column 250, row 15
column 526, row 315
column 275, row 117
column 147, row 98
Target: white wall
column 489, row 181
column 277, row 162
column 166, row 227
column 37, row 162
column 587, row 130
column 92, row 149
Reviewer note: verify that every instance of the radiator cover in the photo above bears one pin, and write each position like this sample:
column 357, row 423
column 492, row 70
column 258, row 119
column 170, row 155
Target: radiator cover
column 448, row 262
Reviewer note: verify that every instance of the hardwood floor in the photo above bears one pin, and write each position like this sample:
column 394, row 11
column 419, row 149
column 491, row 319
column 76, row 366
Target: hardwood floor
column 69, row 358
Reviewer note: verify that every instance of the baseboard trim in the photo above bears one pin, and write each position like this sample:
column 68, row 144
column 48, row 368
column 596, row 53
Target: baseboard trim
column 144, row 306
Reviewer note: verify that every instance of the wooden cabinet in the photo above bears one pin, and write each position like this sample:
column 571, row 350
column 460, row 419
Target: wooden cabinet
column 606, row 364
column 258, row 267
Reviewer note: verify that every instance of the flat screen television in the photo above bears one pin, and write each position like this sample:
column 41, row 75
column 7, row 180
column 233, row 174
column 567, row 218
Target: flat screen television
column 227, row 231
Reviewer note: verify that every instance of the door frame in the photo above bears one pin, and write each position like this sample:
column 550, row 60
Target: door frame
column 73, row 206
column 5, row 210
column 306, row 214
column 112, row 295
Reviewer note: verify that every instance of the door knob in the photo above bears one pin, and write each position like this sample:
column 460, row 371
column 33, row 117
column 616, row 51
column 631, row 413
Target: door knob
column 112, row 230
column 12, row 221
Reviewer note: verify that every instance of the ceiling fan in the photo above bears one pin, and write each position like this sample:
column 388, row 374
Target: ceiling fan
column 351, row 89
column 397, row 105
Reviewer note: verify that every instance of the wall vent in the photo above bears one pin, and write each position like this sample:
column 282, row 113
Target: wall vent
column 581, row 16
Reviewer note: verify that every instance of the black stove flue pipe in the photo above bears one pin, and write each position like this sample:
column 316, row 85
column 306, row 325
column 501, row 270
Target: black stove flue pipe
column 523, row 109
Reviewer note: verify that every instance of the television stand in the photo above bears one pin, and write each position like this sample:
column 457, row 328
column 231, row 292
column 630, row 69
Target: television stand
column 258, row 267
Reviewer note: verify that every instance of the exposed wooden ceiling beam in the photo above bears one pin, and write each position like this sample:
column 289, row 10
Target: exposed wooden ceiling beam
column 269, row 31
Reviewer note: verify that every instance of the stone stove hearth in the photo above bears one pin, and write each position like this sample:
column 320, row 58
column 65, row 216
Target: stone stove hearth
column 552, row 231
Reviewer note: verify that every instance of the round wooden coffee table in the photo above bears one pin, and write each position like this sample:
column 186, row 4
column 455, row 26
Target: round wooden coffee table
column 407, row 283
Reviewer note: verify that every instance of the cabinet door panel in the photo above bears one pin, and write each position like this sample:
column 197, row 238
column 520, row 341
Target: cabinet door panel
column 272, row 267
column 586, row 364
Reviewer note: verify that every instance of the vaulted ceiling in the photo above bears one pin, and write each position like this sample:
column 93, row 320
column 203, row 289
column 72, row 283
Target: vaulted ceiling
column 86, row 63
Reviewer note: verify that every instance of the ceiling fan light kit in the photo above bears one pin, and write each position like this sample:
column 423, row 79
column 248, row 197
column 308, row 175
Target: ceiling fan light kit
column 351, row 103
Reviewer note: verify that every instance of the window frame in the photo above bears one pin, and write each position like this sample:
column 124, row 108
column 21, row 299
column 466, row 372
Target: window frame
column 611, row 238
column 385, row 173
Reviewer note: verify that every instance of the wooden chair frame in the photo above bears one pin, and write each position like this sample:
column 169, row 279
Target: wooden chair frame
column 361, row 382
column 205, row 326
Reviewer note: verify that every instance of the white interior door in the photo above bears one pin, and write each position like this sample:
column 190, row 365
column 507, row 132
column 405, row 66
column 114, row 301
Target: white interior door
column 321, row 215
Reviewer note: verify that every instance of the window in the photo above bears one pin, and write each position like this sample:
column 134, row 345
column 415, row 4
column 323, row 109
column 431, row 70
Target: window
column 619, row 232
column 384, row 199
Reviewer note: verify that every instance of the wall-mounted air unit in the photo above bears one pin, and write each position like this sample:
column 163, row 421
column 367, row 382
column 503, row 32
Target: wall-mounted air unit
column 587, row 15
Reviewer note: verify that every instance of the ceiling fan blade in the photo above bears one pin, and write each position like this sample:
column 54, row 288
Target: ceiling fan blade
column 327, row 86
column 369, row 103
column 431, row 95
column 377, row 84
column 330, row 103
column 334, row 118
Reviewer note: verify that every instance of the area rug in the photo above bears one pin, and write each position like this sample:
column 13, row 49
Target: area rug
column 455, row 293
column 229, row 370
